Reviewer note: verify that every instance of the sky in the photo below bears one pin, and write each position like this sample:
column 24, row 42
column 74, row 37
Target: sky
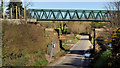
column 69, row 5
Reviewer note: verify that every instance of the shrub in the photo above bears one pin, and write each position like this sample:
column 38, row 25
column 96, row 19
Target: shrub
column 65, row 46
column 115, row 41
column 102, row 60
column 78, row 37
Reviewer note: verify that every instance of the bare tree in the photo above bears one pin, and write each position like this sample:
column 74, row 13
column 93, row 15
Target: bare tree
column 114, row 17
column 27, row 5
column 114, row 13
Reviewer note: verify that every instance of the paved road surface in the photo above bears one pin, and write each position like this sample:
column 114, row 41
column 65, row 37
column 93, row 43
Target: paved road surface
column 75, row 58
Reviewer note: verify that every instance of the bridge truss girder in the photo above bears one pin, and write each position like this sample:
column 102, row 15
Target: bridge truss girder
column 68, row 15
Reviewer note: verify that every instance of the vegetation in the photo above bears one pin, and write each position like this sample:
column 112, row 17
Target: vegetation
column 114, row 13
column 101, row 42
column 43, row 62
column 111, row 56
column 97, row 25
column 23, row 45
column 70, row 41
column 102, row 59
column 110, row 37
column 78, row 27
column 66, row 46
column 115, row 41
column 78, row 37
column 61, row 31
column 59, row 53
column 47, row 24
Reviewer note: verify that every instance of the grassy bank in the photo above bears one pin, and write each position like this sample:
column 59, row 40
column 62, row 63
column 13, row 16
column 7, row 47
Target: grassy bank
column 25, row 44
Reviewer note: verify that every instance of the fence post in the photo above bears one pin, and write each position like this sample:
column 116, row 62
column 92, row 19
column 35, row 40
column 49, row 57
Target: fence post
column 16, row 13
column 3, row 12
column 11, row 13
column 19, row 12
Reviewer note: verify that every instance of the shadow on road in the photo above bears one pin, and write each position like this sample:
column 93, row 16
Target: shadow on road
column 84, row 39
column 79, row 61
column 81, row 52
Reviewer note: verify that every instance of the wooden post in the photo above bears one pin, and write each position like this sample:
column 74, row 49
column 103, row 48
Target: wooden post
column 16, row 13
column 19, row 12
column 24, row 12
column 3, row 13
column 11, row 13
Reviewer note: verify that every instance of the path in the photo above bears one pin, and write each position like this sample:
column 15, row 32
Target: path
column 75, row 58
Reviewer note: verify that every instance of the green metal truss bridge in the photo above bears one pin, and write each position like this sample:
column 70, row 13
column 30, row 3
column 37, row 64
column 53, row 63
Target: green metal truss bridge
column 68, row 15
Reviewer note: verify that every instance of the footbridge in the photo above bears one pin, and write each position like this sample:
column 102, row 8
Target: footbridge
column 68, row 15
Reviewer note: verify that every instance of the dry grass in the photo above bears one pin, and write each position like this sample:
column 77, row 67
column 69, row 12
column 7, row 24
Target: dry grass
column 24, row 44
column 27, row 36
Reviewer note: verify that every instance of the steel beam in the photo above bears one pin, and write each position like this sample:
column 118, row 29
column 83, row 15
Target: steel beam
column 67, row 15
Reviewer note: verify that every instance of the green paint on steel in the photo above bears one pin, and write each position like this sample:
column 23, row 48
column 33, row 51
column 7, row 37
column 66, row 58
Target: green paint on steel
column 68, row 15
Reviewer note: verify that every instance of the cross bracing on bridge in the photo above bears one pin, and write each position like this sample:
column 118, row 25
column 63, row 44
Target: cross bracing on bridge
column 66, row 15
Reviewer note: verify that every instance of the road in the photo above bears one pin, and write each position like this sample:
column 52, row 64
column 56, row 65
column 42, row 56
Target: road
column 75, row 58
